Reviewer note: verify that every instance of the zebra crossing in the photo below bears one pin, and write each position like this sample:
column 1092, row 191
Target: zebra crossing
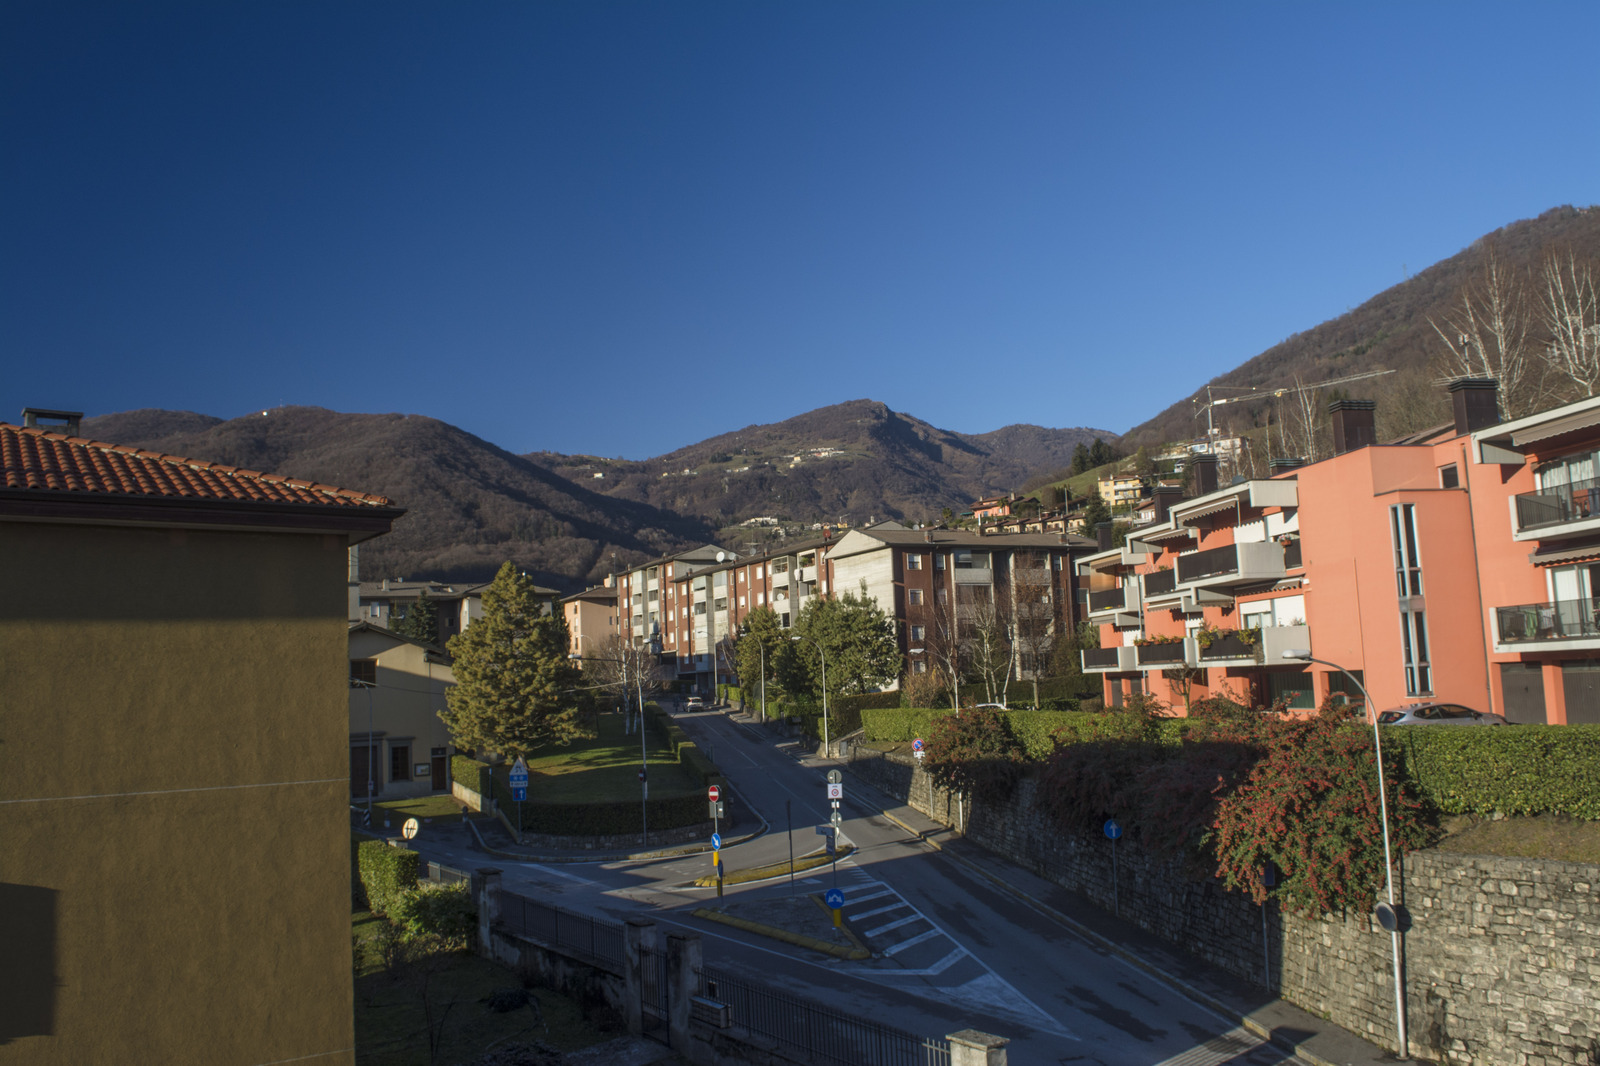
column 901, row 937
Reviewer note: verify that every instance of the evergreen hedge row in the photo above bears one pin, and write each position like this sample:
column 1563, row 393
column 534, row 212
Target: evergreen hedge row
column 471, row 773
column 387, row 874
column 1522, row 769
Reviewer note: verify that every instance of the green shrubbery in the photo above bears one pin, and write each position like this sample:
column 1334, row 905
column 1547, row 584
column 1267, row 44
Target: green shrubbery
column 471, row 773
column 1524, row 769
column 609, row 819
column 387, row 874
column 445, row 912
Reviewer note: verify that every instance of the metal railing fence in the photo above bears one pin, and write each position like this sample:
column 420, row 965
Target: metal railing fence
column 825, row 1035
column 591, row 938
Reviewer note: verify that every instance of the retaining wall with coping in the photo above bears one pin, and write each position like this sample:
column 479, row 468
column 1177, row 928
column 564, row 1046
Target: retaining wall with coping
column 1501, row 964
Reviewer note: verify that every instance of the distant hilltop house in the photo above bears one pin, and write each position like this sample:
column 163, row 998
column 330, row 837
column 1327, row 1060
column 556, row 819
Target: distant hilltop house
column 1121, row 491
column 760, row 520
column 993, row 506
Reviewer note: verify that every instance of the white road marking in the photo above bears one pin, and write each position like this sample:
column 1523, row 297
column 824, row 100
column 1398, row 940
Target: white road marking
column 932, row 971
column 870, row 933
column 896, row 905
column 918, row 939
column 1226, row 1048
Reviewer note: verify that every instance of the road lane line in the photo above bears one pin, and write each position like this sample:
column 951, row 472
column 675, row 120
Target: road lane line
column 914, row 941
column 914, row 917
column 896, row 905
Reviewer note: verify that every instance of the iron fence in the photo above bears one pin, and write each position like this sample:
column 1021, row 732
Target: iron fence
column 821, row 1033
column 591, row 938
column 444, row 875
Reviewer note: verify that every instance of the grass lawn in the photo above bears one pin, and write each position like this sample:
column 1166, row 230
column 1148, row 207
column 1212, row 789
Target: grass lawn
column 392, row 1022
column 441, row 807
column 605, row 769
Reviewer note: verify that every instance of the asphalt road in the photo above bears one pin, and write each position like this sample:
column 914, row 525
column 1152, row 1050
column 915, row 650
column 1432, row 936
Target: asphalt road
column 951, row 949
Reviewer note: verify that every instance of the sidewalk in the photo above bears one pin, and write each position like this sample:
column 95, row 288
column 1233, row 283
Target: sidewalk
column 1287, row 1026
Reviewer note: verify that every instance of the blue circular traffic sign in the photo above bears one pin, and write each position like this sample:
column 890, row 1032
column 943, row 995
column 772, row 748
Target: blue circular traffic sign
column 1113, row 830
column 716, row 840
column 916, row 745
column 834, row 898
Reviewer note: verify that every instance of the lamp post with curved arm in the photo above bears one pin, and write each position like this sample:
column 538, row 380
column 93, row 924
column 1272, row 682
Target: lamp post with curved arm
column 824, row 657
column 1304, row 655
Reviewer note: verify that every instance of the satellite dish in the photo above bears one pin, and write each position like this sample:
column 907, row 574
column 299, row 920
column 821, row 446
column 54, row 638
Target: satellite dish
column 722, row 557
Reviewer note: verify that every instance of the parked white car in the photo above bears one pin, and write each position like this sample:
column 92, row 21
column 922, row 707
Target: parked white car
column 1437, row 714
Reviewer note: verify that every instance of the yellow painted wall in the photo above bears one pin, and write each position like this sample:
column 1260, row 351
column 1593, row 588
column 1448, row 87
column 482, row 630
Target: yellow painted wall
column 173, row 781
column 406, row 704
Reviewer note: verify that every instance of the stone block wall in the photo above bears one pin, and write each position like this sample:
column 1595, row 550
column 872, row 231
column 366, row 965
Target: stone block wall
column 1501, row 964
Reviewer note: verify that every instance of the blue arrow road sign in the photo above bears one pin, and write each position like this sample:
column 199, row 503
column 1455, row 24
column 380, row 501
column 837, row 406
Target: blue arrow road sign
column 834, row 898
column 1113, row 830
column 519, row 794
column 716, row 840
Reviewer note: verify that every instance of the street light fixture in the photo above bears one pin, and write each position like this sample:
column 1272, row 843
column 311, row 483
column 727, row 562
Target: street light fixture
column 824, row 656
column 744, row 631
column 1392, row 924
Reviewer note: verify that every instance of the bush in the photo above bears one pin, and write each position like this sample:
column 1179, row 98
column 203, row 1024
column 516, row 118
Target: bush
column 1523, row 769
column 610, row 819
column 976, row 753
column 445, row 912
column 386, row 874
column 899, row 725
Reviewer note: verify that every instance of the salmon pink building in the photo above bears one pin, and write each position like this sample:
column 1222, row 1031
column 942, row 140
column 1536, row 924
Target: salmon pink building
column 1453, row 565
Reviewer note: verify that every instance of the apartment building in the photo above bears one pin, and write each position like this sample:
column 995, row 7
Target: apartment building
column 173, row 661
column 939, row 584
column 1121, row 491
column 592, row 618
column 1452, row 565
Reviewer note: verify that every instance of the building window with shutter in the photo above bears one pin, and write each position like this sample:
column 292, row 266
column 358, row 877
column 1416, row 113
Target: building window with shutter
column 363, row 672
column 400, row 762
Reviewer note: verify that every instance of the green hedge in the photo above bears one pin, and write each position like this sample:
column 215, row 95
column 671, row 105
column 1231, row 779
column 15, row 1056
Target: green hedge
column 471, row 773
column 1036, row 729
column 900, row 725
column 684, row 751
column 386, row 874
column 1523, row 769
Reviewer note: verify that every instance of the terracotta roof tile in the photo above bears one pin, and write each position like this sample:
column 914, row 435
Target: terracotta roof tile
column 37, row 459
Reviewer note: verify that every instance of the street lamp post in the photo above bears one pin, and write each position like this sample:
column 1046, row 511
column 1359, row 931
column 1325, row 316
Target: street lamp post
column 744, row 631
column 824, row 657
column 1304, row 655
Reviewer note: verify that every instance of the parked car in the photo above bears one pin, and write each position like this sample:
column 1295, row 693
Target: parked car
column 694, row 703
column 1437, row 714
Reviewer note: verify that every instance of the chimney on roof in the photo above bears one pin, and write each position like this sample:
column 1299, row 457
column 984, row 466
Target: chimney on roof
column 55, row 421
column 1476, row 402
column 1205, row 473
column 1102, row 535
column 1353, row 425
column 1165, row 497
column 386, row 584
column 1279, row 465
column 927, row 536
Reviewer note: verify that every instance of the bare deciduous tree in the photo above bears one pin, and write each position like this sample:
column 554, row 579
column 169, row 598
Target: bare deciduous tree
column 986, row 631
column 1297, row 421
column 942, row 644
column 1570, row 312
column 1033, row 618
column 1488, row 336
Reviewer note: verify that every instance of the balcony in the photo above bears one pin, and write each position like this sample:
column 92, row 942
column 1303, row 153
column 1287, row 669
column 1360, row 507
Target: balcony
column 1115, row 660
column 1167, row 656
column 1557, row 512
column 1119, row 606
column 1161, row 588
column 1558, row 626
column 1268, row 646
column 1232, row 565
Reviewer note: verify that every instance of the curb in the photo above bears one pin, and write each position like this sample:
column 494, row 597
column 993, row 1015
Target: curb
column 798, row 939
column 805, row 864
column 843, row 926
column 1176, row 983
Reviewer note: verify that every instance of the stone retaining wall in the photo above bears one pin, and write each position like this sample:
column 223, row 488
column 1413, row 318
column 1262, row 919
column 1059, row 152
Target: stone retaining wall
column 1501, row 964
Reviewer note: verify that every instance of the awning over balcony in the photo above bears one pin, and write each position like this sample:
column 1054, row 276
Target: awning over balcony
column 1556, row 427
column 1567, row 552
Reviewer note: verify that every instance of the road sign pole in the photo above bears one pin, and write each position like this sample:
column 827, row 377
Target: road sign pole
column 788, row 810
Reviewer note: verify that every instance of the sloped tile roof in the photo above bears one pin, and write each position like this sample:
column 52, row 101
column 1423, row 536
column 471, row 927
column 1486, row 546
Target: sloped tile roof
column 35, row 459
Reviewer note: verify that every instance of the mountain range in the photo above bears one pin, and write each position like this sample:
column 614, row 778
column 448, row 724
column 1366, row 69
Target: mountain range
column 472, row 505
column 571, row 519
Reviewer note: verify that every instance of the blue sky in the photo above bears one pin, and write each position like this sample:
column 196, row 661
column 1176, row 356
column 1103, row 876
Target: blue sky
column 622, row 228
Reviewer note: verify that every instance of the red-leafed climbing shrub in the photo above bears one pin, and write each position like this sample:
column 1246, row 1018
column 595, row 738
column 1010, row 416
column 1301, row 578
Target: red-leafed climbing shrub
column 976, row 753
column 1310, row 806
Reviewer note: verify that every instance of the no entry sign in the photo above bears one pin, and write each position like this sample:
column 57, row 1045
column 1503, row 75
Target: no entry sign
column 713, row 793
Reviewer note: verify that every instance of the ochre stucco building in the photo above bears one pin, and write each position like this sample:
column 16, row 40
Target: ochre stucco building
column 174, row 842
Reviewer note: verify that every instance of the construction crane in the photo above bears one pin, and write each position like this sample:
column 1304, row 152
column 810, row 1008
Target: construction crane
column 1261, row 393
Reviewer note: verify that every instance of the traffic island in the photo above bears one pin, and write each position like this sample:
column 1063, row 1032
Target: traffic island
column 802, row 920
column 803, row 864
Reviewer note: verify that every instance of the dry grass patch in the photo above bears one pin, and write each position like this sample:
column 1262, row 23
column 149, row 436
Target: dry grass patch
column 1543, row 836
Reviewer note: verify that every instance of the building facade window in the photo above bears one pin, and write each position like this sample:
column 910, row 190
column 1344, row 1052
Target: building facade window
column 363, row 672
column 938, row 560
column 400, row 762
column 917, row 632
column 1414, row 647
column 913, row 562
column 914, row 597
column 918, row 666
column 1408, row 586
